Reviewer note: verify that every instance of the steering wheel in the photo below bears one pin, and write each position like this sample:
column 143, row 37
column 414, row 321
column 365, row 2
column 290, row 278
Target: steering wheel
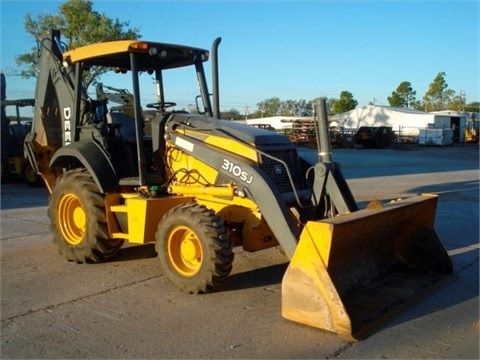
column 161, row 105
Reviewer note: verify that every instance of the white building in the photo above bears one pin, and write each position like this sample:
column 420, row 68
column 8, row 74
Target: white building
column 407, row 121
column 403, row 121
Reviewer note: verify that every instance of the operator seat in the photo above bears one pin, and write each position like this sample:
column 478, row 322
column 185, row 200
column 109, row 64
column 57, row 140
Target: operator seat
column 124, row 123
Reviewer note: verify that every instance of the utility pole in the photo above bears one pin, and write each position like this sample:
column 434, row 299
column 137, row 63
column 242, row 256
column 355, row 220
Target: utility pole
column 463, row 99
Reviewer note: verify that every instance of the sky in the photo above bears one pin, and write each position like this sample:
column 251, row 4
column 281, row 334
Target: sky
column 294, row 49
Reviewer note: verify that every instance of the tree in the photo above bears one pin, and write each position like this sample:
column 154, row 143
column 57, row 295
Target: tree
column 303, row 108
column 395, row 99
column 232, row 114
column 295, row 108
column 346, row 102
column 79, row 25
column 457, row 103
column 473, row 107
column 403, row 96
column 288, row 108
column 438, row 95
column 269, row 107
column 274, row 106
column 418, row 105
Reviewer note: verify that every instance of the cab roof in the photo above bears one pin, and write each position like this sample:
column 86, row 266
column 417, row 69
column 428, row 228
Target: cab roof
column 151, row 55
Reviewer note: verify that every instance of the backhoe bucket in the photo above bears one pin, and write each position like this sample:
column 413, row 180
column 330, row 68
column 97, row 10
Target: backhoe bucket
column 353, row 272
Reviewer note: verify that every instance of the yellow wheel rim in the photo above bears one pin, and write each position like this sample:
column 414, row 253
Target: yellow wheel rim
column 71, row 219
column 184, row 251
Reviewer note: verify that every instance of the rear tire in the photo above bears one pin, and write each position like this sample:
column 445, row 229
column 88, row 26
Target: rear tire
column 78, row 220
column 194, row 248
column 29, row 176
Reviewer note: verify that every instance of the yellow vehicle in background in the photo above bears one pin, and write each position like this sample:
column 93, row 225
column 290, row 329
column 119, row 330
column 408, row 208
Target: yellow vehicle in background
column 471, row 131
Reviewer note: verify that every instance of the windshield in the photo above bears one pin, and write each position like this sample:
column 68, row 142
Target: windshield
column 180, row 89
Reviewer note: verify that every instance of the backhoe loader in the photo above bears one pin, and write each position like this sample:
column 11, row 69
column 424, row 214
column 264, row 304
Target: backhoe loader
column 13, row 131
column 199, row 186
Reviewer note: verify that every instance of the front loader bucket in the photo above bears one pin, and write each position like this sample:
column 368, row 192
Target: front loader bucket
column 353, row 272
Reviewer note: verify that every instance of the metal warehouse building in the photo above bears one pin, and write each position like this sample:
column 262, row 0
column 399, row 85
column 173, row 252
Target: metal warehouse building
column 404, row 121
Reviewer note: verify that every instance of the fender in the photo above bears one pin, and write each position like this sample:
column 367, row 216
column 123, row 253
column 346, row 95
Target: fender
column 94, row 158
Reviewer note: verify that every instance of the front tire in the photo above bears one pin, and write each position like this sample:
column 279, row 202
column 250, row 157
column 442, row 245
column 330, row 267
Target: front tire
column 78, row 219
column 194, row 248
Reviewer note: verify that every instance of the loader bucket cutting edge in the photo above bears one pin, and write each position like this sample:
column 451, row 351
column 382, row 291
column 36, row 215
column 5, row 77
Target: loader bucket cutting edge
column 351, row 273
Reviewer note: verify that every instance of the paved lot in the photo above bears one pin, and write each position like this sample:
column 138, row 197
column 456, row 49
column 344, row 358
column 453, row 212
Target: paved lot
column 126, row 308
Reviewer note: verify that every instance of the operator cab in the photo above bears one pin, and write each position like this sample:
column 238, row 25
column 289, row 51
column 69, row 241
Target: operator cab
column 121, row 130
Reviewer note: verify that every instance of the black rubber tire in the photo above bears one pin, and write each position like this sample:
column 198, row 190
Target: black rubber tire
column 29, row 176
column 78, row 219
column 204, row 234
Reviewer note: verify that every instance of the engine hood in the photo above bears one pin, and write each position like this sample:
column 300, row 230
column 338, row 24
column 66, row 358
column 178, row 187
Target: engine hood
column 232, row 129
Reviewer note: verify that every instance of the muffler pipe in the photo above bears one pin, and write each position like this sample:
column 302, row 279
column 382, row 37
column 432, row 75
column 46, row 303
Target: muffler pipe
column 323, row 135
column 215, row 83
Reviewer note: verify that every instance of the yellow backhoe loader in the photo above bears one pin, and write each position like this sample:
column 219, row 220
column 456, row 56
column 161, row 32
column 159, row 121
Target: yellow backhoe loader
column 199, row 185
